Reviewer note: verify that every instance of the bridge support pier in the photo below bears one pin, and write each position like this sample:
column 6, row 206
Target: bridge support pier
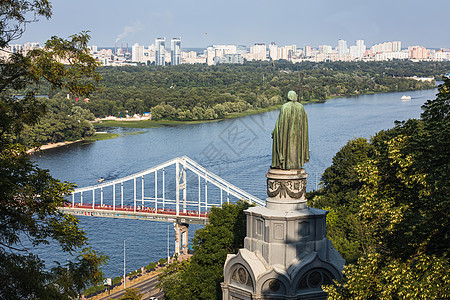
column 181, row 238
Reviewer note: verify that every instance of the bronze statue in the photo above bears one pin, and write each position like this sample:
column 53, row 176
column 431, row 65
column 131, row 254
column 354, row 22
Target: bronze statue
column 290, row 148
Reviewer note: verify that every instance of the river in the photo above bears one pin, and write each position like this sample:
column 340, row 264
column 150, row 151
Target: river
column 239, row 150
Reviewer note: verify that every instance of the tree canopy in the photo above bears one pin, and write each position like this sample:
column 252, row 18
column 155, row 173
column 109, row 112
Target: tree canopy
column 389, row 208
column 29, row 196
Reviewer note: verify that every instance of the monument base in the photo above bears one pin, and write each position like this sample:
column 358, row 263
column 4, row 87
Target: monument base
column 286, row 189
column 286, row 253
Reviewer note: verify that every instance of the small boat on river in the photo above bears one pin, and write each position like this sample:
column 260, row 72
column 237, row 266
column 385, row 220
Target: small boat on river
column 405, row 98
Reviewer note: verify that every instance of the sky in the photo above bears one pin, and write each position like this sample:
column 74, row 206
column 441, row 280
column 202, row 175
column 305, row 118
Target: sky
column 201, row 23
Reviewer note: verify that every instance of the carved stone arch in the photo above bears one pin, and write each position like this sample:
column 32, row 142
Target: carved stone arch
column 313, row 274
column 314, row 279
column 249, row 262
column 241, row 277
column 274, row 281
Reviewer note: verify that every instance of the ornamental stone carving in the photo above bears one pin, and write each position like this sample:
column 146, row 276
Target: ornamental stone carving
column 283, row 188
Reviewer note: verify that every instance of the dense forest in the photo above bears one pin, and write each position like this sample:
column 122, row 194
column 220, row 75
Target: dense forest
column 199, row 92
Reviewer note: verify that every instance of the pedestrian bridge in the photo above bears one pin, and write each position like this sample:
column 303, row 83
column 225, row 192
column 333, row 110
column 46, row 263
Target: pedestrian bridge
column 179, row 191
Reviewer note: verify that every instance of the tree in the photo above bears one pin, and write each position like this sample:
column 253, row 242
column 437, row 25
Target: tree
column 131, row 294
column 162, row 261
column 200, row 277
column 340, row 196
column 29, row 196
column 405, row 209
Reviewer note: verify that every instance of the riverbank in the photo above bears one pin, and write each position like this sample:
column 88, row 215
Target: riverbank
column 147, row 123
column 98, row 136
column 152, row 123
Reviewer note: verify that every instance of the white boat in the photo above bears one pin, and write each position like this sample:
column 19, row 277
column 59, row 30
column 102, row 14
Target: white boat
column 405, row 98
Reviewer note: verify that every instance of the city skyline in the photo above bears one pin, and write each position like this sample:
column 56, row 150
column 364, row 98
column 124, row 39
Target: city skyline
column 283, row 22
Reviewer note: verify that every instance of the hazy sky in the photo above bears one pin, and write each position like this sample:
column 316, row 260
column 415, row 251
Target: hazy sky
column 200, row 23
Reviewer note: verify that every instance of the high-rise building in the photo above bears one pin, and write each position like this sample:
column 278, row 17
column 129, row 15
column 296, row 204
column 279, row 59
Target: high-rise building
column 175, row 47
column 417, row 52
column 307, row 52
column 342, row 48
column 325, row 49
column 360, row 48
column 160, row 51
column 354, row 52
column 210, row 54
column 258, row 51
column 273, row 51
column 396, row 46
column 137, row 53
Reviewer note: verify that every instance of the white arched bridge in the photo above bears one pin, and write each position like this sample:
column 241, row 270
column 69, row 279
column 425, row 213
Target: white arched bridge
column 179, row 191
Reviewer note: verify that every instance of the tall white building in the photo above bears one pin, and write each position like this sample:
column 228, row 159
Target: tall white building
column 353, row 52
column 160, row 51
column 137, row 53
column 360, row 48
column 175, row 47
column 396, row 46
column 325, row 49
column 342, row 48
column 273, row 51
column 287, row 52
column 258, row 51
column 307, row 52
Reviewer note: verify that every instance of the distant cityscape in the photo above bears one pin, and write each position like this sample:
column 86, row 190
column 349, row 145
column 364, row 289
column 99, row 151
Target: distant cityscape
column 159, row 54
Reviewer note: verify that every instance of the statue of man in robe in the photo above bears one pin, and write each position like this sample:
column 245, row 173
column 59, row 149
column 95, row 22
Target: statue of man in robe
column 290, row 148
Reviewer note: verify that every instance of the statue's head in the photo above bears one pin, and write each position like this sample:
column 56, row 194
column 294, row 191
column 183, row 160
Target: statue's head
column 292, row 96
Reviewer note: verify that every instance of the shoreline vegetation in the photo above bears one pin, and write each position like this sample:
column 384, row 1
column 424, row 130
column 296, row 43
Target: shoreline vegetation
column 147, row 123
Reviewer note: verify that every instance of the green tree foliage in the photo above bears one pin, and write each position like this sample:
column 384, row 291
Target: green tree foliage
column 131, row 294
column 198, row 92
column 200, row 277
column 402, row 205
column 340, row 196
column 29, row 196
column 62, row 122
column 150, row 267
column 162, row 261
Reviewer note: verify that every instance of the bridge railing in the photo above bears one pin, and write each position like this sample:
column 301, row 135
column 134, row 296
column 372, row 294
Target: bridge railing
column 179, row 185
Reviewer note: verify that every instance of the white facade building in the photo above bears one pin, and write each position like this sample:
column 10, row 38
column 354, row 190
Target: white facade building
column 342, row 48
column 175, row 48
column 160, row 51
column 273, row 51
column 137, row 53
column 258, row 51
column 218, row 51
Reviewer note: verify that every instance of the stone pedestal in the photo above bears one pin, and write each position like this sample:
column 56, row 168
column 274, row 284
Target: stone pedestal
column 181, row 238
column 286, row 253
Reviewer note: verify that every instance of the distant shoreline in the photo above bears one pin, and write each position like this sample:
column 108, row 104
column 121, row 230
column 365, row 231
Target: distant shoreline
column 96, row 137
column 52, row 146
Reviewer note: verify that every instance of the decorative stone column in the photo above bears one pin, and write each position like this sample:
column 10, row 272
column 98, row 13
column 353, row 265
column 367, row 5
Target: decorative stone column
column 286, row 254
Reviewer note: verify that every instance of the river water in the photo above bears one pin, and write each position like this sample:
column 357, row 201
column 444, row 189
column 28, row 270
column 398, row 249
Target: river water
column 238, row 150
